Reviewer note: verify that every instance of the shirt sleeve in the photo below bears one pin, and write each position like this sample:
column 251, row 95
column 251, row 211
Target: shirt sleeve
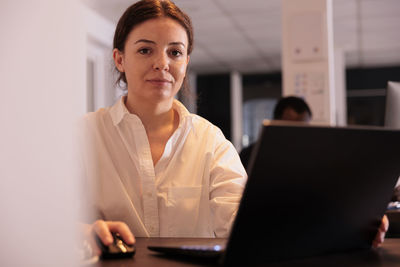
column 227, row 180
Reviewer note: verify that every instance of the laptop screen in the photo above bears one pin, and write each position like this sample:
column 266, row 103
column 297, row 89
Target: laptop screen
column 314, row 190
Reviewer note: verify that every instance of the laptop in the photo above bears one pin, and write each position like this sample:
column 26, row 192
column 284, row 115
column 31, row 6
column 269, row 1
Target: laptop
column 311, row 190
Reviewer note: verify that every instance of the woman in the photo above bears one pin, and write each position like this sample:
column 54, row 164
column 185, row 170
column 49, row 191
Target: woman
column 154, row 166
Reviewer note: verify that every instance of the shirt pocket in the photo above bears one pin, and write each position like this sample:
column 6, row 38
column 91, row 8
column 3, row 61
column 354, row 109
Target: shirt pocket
column 184, row 204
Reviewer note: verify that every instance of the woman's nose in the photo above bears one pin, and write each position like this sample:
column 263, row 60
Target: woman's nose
column 161, row 62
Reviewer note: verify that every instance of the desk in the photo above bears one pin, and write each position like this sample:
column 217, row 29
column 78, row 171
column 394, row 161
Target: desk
column 386, row 256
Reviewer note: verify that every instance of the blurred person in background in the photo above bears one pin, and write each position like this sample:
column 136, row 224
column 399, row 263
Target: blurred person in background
column 290, row 108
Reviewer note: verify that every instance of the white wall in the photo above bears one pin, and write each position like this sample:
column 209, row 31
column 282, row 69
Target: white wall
column 99, row 38
column 42, row 93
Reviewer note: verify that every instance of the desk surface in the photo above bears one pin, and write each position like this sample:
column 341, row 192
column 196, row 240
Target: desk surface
column 387, row 255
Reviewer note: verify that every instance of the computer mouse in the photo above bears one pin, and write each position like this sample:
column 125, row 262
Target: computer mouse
column 118, row 249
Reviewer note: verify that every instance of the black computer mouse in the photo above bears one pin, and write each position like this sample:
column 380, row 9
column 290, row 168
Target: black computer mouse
column 118, row 249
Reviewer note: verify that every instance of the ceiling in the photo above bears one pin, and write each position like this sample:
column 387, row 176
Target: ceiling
column 246, row 35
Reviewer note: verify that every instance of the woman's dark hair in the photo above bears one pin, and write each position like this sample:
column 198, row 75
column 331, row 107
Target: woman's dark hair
column 143, row 11
column 294, row 102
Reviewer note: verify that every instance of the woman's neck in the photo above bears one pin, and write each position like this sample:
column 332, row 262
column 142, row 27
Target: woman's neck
column 154, row 115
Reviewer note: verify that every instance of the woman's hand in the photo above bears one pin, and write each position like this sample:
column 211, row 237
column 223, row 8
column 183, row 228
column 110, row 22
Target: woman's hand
column 103, row 230
column 380, row 236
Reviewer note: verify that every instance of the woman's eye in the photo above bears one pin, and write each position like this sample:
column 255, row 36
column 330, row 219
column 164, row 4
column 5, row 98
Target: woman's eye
column 176, row 53
column 144, row 51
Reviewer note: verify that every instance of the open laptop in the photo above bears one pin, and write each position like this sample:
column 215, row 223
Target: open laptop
column 311, row 190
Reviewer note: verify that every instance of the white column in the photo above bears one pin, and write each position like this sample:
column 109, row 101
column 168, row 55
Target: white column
column 42, row 81
column 308, row 56
column 236, row 109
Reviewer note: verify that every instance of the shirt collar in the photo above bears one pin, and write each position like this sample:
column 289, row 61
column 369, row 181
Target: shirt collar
column 119, row 110
column 181, row 109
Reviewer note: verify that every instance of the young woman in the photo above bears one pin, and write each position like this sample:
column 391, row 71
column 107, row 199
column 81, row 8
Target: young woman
column 155, row 169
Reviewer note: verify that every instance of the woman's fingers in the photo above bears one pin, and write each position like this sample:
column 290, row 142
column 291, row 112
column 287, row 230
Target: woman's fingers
column 380, row 235
column 103, row 230
column 123, row 230
column 385, row 224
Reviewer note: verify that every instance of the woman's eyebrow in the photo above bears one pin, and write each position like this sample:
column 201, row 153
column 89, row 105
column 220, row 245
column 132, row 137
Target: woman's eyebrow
column 144, row 41
column 152, row 42
column 177, row 43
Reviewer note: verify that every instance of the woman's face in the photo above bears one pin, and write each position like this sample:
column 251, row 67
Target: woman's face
column 154, row 59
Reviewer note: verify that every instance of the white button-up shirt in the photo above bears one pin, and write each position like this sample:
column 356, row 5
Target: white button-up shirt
column 192, row 191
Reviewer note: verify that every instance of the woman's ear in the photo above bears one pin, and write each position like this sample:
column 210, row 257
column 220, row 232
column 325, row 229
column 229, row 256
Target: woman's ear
column 118, row 60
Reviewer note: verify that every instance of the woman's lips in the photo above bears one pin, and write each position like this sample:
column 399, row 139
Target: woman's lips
column 159, row 81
